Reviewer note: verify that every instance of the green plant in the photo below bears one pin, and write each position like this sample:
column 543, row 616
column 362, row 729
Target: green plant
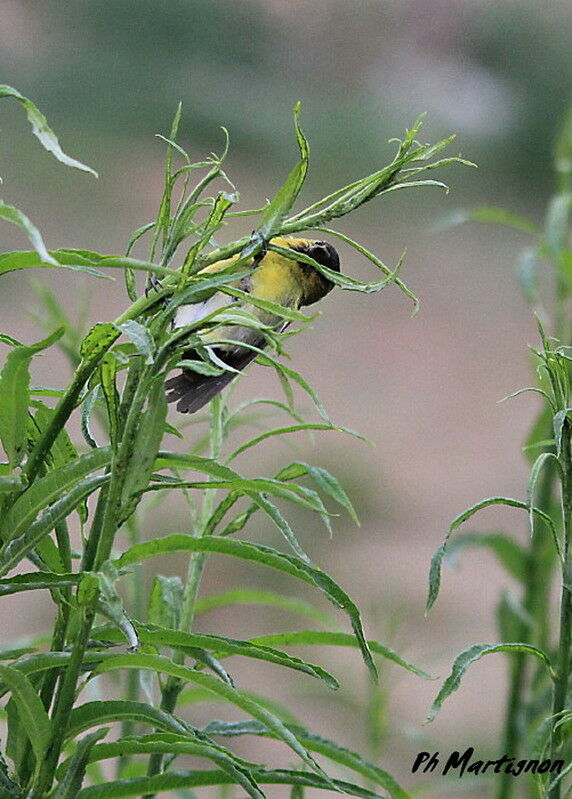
column 538, row 713
column 118, row 379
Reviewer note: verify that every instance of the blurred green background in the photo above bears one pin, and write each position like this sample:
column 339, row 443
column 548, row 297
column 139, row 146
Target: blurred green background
column 108, row 75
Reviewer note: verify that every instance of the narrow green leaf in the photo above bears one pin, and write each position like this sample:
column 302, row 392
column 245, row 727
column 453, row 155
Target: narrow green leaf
column 201, row 367
column 15, row 397
column 130, row 283
column 109, row 602
column 355, row 762
column 32, row 715
column 330, row 486
column 535, row 472
column 178, row 460
column 19, row 548
column 163, row 743
column 48, row 489
column 86, row 409
column 221, row 646
column 272, row 308
column 10, row 340
column 137, row 235
column 469, row 656
column 377, row 263
column 140, row 337
column 297, row 494
column 84, row 261
column 62, row 451
column 343, row 281
column 193, row 779
column 13, row 654
column 320, row 638
column 272, row 511
column 530, row 390
column 237, row 415
column 108, row 372
column 35, row 581
column 166, row 601
column 325, row 480
column 163, row 665
column 42, row 130
column 265, row 556
column 98, row 340
column 93, row 714
column 163, row 221
column 71, row 783
column 11, row 214
column 508, row 552
column 279, row 431
column 324, row 746
column 286, row 196
column 437, row 559
column 284, row 372
column 17, row 742
column 558, row 426
column 145, row 448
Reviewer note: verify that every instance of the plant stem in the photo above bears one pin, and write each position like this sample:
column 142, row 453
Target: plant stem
column 62, row 413
column 563, row 658
column 195, row 570
column 136, row 600
column 63, row 708
column 68, row 402
column 90, row 548
column 534, row 603
column 105, row 525
column 119, row 471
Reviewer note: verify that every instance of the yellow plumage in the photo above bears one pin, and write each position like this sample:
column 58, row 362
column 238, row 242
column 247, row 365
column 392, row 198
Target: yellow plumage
column 277, row 279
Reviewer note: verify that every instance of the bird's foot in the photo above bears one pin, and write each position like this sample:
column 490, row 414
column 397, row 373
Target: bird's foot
column 153, row 284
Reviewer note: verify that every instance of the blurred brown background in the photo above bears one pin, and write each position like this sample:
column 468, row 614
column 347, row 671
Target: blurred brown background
column 109, row 75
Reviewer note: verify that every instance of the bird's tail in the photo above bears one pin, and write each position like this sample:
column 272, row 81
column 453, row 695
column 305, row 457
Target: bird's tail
column 191, row 391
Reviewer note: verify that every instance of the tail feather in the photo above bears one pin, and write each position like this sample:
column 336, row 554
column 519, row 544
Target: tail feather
column 191, row 391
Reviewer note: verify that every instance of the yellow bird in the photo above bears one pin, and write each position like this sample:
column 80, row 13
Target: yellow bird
column 281, row 280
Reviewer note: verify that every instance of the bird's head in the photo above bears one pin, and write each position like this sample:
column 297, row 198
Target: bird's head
column 315, row 284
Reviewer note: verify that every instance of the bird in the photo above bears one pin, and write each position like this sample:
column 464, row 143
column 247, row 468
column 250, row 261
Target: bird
column 276, row 278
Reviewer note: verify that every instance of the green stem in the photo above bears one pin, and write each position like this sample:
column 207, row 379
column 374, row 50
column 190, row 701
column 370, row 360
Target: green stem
column 535, row 604
column 563, row 657
column 111, row 516
column 63, row 708
column 62, row 413
column 64, row 604
column 47, row 684
column 195, row 570
column 102, row 534
column 136, row 600
column 68, row 402
column 88, row 559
